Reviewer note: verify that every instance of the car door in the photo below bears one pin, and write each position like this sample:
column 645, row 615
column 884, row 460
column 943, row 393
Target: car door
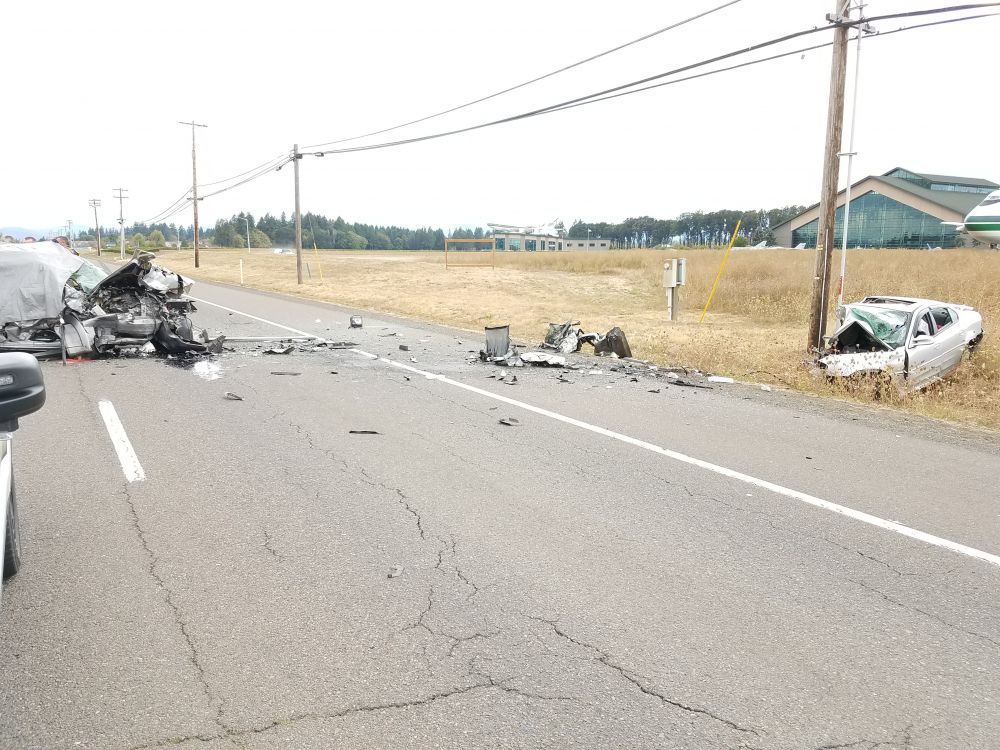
column 950, row 340
column 922, row 350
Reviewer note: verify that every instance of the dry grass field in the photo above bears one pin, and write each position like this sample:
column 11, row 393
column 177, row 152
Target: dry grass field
column 754, row 331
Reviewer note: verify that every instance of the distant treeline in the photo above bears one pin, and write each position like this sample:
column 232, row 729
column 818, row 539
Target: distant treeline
column 712, row 228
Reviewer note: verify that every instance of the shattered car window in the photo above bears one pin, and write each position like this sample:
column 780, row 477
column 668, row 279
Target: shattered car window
column 889, row 326
column 87, row 277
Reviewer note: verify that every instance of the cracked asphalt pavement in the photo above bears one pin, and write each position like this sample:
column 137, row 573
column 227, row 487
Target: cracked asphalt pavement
column 279, row 582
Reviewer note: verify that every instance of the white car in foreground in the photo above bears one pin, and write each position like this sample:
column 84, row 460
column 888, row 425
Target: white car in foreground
column 22, row 391
column 915, row 341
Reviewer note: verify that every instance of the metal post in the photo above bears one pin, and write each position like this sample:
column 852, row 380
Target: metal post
column 298, row 216
column 831, row 176
column 851, row 153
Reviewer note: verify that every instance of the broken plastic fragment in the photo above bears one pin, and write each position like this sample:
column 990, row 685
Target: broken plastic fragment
column 233, row 397
column 719, row 379
column 395, row 571
column 404, row 347
column 356, row 321
column 280, row 350
column 282, row 372
column 363, row 432
column 509, row 421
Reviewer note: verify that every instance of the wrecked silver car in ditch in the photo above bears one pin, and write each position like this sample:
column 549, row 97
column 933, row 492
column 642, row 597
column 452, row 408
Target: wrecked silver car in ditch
column 914, row 342
column 53, row 303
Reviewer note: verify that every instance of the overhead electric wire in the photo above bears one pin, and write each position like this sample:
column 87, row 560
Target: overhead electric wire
column 277, row 158
column 770, row 58
column 601, row 95
column 533, row 80
column 251, row 178
column 157, row 217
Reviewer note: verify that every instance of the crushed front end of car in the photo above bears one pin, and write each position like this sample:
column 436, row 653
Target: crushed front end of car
column 53, row 303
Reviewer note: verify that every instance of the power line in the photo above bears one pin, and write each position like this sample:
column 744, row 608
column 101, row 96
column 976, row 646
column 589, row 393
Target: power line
column 769, row 59
column 241, row 174
column 156, row 217
column 260, row 173
column 533, row 80
column 603, row 95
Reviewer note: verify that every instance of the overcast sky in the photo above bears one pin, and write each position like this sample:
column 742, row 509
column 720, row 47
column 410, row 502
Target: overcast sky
column 93, row 92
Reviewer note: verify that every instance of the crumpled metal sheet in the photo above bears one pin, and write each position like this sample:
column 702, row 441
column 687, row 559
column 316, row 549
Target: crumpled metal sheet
column 33, row 277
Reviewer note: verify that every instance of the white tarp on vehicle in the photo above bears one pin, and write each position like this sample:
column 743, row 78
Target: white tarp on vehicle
column 33, row 278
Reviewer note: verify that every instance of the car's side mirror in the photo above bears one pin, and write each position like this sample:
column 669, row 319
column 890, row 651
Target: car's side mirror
column 22, row 389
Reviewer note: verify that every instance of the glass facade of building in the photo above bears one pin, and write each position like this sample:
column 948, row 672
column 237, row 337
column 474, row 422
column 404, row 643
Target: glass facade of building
column 879, row 221
column 924, row 182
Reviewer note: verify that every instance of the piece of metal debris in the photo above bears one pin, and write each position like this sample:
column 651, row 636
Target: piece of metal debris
column 562, row 379
column 512, row 380
column 334, row 372
column 395, row 571
column 497, row 341
column 363, row 432
column 404, row 347
column 356, row 321
column 233, row 396
column 654, row 390
column 510, row 421
column 280, row 350
column 543, row 358
column 283, row 372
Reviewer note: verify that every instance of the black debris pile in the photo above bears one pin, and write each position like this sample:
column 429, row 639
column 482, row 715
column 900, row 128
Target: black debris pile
column 567, row 337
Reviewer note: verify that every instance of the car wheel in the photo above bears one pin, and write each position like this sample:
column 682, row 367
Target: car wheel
column 12, row 543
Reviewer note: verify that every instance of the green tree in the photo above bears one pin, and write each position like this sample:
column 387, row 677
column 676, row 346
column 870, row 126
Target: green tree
column 138, row 239
column 156, row 238
column 259, row 238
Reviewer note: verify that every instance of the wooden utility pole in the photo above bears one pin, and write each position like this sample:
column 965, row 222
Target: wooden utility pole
column 296, row 156
column 194, row 186
column 831, row 177
column 94, row 204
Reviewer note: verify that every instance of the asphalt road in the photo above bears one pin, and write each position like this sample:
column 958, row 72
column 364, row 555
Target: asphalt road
column 611, row 571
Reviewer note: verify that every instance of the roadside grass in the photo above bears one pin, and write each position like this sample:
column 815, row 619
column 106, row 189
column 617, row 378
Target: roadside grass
column 754, row 331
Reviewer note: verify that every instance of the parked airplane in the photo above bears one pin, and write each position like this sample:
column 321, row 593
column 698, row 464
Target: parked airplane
column 983, row 222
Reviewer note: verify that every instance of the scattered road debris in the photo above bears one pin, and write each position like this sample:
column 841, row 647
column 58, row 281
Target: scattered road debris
column 280, row 350
column 562, row 337
column 511, row 380
column 719, row 379
column 363, row 432
column 356, row 322
column 510, row 422
column 654, row 390
column 906, row 341
column 765, row 388
column 404, row 347
column 283, row 372
column 232, row 396
column 595, row 372
column 497, row 341
column 612, row 343
column 690, row 384
column 54, row 303
column 543, row 358
column 395, row 571
column 334, row 372
column 563, row 379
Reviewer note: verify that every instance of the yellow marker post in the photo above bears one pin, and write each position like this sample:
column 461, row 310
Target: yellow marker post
column 719, row 274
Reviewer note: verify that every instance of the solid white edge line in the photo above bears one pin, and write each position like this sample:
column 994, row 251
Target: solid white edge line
column 248, row 315
column 778, row 489
column 123, row 447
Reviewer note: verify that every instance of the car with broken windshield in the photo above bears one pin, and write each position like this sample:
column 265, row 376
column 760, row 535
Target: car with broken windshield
column 55, row 303
column 911, row 341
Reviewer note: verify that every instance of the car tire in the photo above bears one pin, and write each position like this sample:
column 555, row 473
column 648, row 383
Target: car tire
column 12, row 542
